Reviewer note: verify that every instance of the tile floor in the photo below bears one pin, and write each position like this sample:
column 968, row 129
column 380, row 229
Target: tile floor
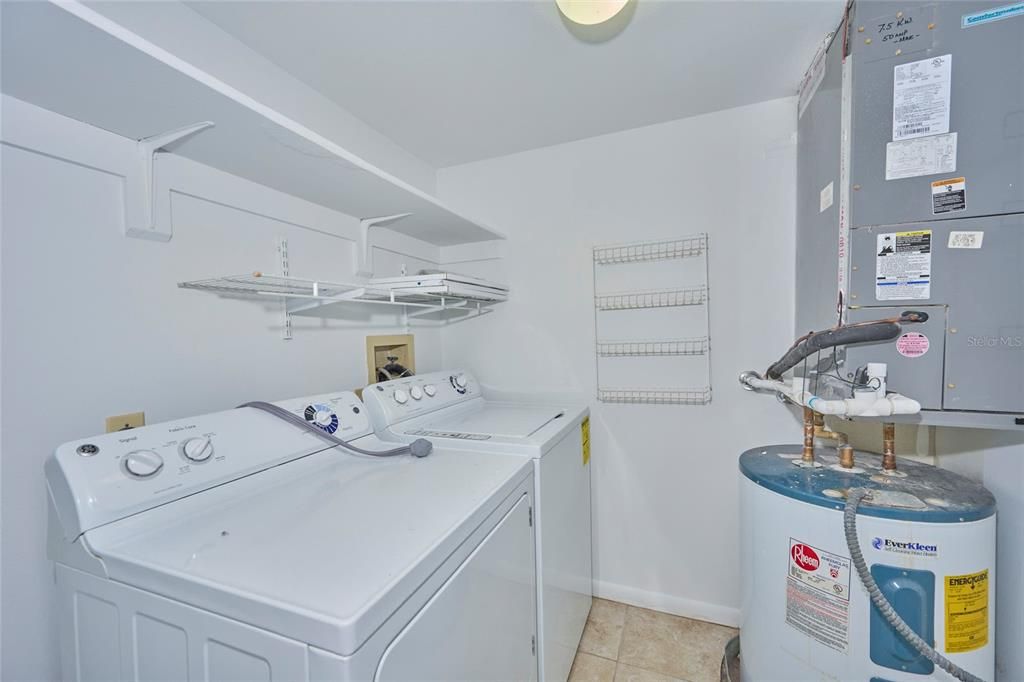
column 624, row 643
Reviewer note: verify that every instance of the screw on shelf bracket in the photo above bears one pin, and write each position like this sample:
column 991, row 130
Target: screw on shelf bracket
column 364, row 268
column 140, row 199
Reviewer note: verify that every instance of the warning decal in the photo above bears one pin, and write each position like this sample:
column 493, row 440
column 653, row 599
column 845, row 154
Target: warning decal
column 966, row 612
column 912, row 345
column 949, row 195
column 585, row 433
column 818, row 594
column 903, row 266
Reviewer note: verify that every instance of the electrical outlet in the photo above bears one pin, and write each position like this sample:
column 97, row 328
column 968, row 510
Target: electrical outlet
column 123, row 422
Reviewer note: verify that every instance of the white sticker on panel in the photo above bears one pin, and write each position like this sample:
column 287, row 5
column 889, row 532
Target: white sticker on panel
column 818, row 594
column 920, row 156
column 965, row 240
column 920, row 97
column 903, row 266
column 825, row 197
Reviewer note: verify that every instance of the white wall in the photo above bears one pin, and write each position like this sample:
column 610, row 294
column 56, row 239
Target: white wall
column 94, row 324
column 665, row 477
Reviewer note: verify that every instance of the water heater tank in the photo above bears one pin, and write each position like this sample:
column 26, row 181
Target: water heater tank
column 928, row 536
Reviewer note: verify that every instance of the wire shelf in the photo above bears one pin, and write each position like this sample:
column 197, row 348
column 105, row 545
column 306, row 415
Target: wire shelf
column 645, row 396
column 651, row 299
column 637, row 252
column 303, row 294
column 696, row 346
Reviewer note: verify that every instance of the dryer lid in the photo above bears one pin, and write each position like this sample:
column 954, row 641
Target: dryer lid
column 323, row 550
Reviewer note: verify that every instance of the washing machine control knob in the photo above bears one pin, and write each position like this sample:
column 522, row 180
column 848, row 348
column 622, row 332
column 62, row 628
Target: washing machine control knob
column 400, row 396
column 416, row 392
column 143, row 463
column 323, row 417
column 430, row 390
column 197, row 449
column 461, row 381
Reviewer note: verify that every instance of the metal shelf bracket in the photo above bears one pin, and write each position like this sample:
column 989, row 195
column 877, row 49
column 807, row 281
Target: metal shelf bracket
column 364, row 267
column 140, row 191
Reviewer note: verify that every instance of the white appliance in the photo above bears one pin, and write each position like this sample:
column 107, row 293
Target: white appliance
column 236, row 546
column 928, row 540
column 449, row 409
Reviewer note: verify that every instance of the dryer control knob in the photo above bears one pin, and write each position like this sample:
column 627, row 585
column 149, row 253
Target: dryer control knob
column 143, row 463
column 400, row 396
column 323, row 417
column 197, row 449
column 430, row 390
column 461, row 381
column 416, row 392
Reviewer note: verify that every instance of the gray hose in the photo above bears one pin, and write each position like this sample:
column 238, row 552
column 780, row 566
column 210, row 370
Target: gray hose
column 853, row 500
column 421, row 447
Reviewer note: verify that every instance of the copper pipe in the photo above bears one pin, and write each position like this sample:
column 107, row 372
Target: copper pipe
column 846, row 456
column 888, row 446
column 808, row 453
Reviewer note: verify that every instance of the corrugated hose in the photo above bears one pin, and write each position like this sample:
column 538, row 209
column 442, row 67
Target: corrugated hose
column 853, row 500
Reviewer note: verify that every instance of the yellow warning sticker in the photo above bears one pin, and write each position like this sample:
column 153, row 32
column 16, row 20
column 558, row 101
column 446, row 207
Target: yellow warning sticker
column 585, row 432
column 966, row 612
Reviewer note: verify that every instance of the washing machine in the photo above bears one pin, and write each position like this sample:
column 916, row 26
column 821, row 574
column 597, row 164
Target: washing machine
column 450, row 409
column 238, row 546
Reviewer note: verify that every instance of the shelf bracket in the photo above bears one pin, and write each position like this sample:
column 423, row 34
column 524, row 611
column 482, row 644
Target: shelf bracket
column 364, row 268
column 140, row 197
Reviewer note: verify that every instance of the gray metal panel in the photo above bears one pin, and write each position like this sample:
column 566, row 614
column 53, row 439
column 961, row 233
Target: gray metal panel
column 984, row 291
column 986, row 111
column 919, row 378
column 817, row 231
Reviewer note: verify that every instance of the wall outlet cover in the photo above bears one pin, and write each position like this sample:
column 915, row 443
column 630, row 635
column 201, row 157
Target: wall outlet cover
column 123, row 422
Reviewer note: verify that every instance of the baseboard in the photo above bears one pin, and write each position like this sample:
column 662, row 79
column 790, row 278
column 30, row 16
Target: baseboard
column 689, row 608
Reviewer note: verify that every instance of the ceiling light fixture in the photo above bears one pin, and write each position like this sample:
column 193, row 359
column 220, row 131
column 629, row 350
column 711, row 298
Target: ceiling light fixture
column 590, row 12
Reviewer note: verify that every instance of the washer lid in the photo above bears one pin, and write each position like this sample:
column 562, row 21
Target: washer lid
column 323, row 550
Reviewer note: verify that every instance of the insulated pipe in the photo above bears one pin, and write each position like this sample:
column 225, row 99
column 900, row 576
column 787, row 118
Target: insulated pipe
column 883, row 330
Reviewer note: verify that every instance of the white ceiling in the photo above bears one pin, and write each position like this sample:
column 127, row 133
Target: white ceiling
column 454, row 82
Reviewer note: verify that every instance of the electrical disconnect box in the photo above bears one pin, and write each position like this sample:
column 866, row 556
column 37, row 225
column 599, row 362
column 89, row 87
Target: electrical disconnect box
column 911, row 197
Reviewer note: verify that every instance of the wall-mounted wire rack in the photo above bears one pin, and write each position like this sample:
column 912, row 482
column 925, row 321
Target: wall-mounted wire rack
column 301, row 295
column 651, row 396
column 612, row 349
column 693, row 248
column 647, row 251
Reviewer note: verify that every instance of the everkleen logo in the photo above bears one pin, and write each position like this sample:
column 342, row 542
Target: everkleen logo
column 805, row 557
column 918, row 548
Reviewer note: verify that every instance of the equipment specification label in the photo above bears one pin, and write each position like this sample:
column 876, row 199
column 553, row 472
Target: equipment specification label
column 818, row 594
column 920, row 97
column 966, row 612
column 949, row 195
column 903, row 266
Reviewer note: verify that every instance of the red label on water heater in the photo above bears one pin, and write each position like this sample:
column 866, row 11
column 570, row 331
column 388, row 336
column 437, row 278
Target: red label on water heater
column 805, row 557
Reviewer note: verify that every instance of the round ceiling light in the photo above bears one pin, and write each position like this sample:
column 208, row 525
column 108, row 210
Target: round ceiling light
column 590, row 12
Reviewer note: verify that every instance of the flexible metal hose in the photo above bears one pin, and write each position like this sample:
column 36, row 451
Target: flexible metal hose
column 853, row 500
column 421, row 447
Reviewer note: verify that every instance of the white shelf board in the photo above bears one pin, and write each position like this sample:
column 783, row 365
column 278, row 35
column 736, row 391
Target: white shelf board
column 75, row 62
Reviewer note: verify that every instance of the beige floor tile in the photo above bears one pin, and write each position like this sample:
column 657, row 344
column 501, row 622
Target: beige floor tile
column 588, row 668
column 678, row 647
column 603, row 633
column 627, row 673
